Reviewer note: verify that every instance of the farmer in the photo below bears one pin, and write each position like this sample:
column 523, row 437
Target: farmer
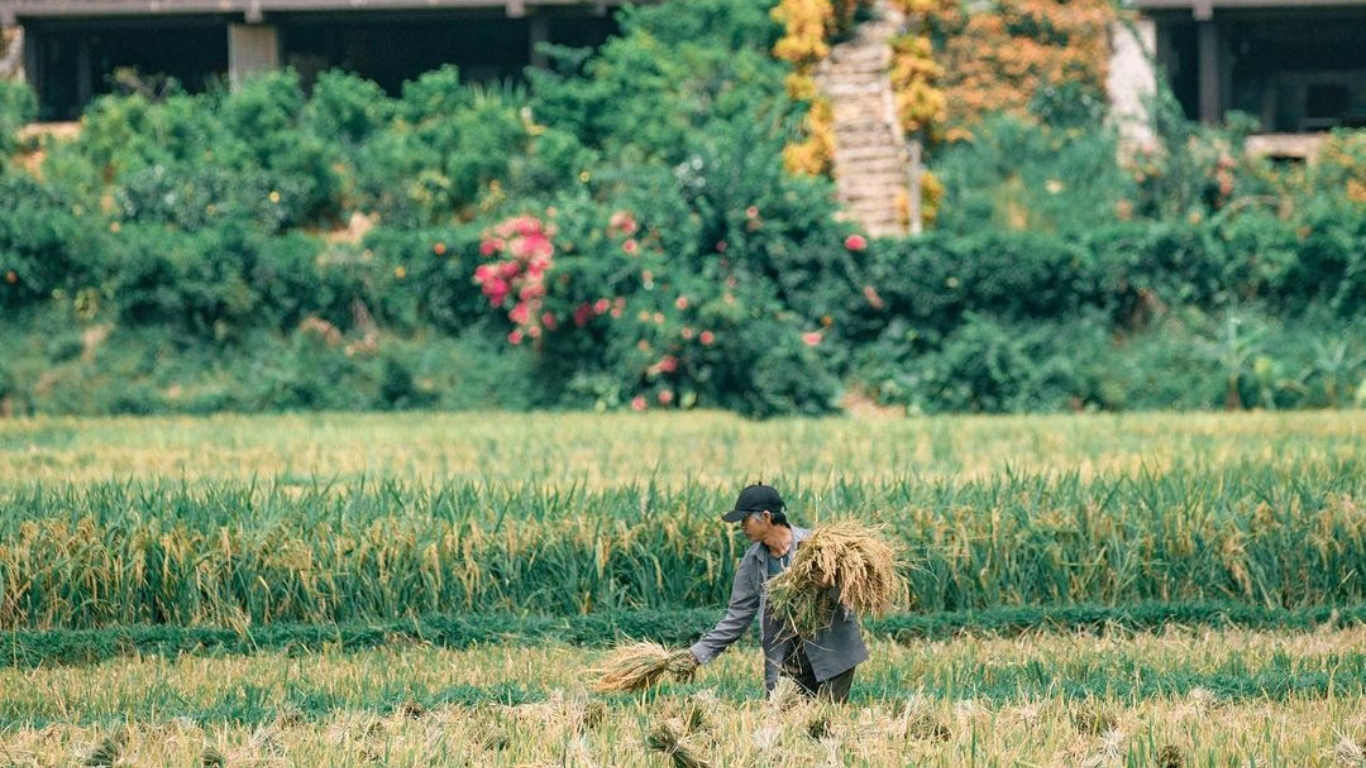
column 823, row 665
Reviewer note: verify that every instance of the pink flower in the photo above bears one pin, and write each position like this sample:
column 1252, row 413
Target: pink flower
column 549, row 321
column 515, row 337
column 638, row 403
column 681, row 302
column 752, row 212
column 497, row 290
column 706, row 337
column 526, row 226
column 669, row 364
column 623, row 222
column 582, row 313
column 538, row 246
column 686, row 332
column 721, row 246
column 601, row 306
column 490, row 247
column 811, row 339
column 521, row 313
column 630, row 247
column 483, row 273
column 874, row 300
column 666, row 397
column 856, row 242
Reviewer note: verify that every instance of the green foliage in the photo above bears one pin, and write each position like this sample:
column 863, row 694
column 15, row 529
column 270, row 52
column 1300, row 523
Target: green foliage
column 1019, row 175
column 18, row 106
column 214, row 284
column 44, row 246
column 200, row 224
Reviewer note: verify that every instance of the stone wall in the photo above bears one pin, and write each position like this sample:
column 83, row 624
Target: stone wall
column 12, row 53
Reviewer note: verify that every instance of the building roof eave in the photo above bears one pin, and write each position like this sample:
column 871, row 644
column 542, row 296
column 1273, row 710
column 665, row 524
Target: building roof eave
column 16, row 11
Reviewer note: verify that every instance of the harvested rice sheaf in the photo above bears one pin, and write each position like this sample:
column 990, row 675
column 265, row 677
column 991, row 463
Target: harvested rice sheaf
column 638, row 666
column 667, row 738
column 845, row 564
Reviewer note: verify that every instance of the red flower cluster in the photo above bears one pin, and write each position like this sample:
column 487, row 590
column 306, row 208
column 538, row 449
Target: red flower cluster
column 522, row 253
column 856, row 243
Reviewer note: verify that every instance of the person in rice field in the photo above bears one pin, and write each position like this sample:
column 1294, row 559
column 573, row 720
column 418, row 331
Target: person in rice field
column 821, row 666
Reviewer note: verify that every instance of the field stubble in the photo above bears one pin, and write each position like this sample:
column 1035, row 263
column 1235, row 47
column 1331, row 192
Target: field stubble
column 914, row 704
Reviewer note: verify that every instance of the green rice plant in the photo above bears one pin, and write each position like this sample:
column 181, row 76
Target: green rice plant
column 232, row 554
column 1253, row 510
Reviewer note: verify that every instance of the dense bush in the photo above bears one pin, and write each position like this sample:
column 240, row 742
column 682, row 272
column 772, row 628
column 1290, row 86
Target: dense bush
column 18, row 106
column 619, row 231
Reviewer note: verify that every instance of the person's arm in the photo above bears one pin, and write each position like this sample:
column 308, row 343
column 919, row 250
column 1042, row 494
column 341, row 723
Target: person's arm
column 744, row 603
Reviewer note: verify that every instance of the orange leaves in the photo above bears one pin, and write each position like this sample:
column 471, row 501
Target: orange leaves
column 997, row 61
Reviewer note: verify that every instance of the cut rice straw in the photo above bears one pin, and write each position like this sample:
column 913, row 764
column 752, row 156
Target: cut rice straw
column 848, row 559
column 638, row 666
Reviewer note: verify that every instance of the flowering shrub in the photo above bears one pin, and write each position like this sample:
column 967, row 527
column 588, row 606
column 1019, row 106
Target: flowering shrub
column 522, row 253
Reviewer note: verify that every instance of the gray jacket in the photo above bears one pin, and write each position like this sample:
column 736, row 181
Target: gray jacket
column 832, row 651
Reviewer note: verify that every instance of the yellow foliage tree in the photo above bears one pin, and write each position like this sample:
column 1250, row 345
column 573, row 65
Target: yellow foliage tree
column 999, row 58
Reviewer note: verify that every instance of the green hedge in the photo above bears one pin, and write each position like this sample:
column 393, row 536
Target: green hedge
column 216, row 226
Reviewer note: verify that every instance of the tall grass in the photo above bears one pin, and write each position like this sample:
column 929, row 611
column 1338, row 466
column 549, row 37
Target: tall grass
column 236, row 553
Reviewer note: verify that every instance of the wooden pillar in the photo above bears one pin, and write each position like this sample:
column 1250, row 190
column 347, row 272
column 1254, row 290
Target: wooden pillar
column 33, row 67
column 914, row 185
column 540, row 33
column 85, row 72
column 1209, row 63
column 252, row 48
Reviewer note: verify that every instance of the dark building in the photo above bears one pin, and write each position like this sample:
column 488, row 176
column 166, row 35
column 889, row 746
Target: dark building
column 1297, row 66
column 73, row 49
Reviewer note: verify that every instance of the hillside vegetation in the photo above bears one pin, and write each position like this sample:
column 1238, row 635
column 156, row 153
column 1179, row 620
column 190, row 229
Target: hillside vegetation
column 621, row 232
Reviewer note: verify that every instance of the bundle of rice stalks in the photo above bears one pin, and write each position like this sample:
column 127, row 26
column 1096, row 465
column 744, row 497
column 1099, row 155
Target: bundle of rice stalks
column 667, row 739
column 845, row 564
column 638, row 666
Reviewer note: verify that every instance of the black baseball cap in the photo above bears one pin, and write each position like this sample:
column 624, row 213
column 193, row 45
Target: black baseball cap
column 755, row 498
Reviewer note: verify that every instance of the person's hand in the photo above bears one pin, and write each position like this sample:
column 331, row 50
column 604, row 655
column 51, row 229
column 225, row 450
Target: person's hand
column 683, row 664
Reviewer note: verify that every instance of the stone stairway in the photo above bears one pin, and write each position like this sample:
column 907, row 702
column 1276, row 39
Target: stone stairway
column 871, row 163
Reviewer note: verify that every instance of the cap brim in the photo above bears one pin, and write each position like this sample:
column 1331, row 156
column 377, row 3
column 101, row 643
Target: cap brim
column 735, row 515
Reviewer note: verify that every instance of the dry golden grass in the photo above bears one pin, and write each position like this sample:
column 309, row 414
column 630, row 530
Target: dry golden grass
column 128, row 713
column 637, row 666
column 706, row 448
column 858, row 561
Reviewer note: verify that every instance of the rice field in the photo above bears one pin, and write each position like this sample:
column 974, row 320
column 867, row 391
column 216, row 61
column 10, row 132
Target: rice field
column 671, row 450
column 1169, row 699
column 257, row 523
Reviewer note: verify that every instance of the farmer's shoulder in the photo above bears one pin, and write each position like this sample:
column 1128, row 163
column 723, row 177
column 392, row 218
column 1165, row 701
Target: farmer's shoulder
column 753, row 553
